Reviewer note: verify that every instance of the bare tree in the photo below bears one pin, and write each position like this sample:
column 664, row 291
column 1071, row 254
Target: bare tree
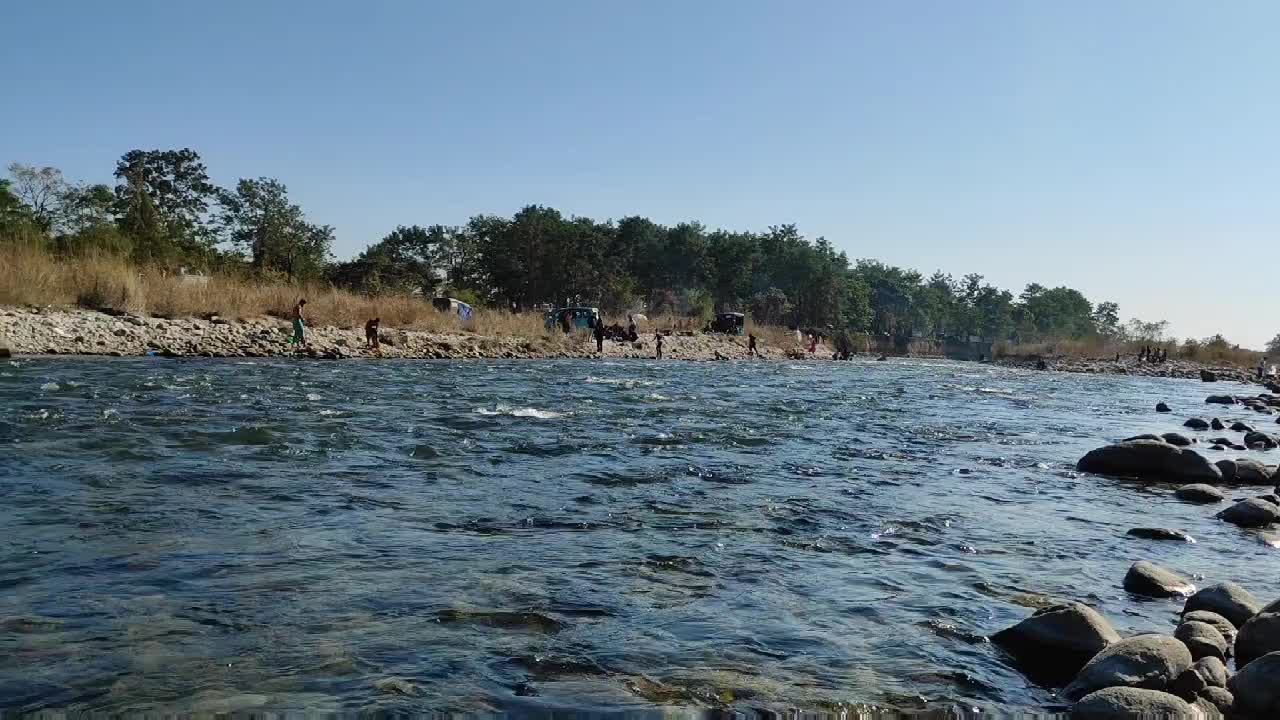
column 40, row 189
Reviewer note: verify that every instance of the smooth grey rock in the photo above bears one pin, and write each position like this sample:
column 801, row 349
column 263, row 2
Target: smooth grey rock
column 1202, row 640
column 1228, row 469
column 1160, row 534
column 1228, row 599
column 1147, row 578
column 1053, row 644
column 1252, row 472
column 1200, row 493
column 1142, row 661
column 1127, row 703
column 1217, row 424
column 1238, row 426
column 1220, row 623
column 1162, row 408
column 1220, row 698
column 1176, row 439
column 1251, row 512
column 1257, row 438
column 1220, row 400
column 1256, row 688
column 1207, row 710
column 1260, row 636
column 1150, row 460
column 1196, row 424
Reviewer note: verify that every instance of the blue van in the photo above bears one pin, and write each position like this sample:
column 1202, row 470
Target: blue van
column 575, row 317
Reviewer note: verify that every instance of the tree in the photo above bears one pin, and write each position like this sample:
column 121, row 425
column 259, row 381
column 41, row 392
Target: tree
column 1106, row 319
column 770, row 307
column 177, row 184
column 40, row 190
column 1273, row 346
column 260, row 221
column 82, row 207
column 403, row 261
column 13, row 213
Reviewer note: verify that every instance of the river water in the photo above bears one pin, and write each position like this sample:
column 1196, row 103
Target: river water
column 530, row 536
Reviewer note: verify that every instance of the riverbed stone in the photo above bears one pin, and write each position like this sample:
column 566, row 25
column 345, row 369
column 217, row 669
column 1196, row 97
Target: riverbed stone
column 1258, row 637
column 1200, row 493
column 1217, row 424
column 1147, row 578
column 1196, row 424
column 1256, row 688
column 1220, row 698
column 1149, row 459
column 1127, row 703
column 1162, row 408
column 1053, row 644
column 1142, row 661
column 1251, row 513
column 1238, row 426
column 1220, row 400
column 1252, row 472
column 1228, row 469
column 1258, row 438
column 1227, row 599
column 1202, row 639
column 1176, row 439
column 1160, row 534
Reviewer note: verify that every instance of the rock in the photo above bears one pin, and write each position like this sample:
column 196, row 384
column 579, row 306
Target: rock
column 1258, row 637
column 1252, row 472
column 1238, row 426
column 1202, row 640
column 1256, row 688
column 1053, row 644
column 1206, row 709
column 1203, row 674
column 1200, row 493
column 1196, row 424
column 1176, row 439
column 1228, row 469
column 1160, row 534
column 5, row 352
column 1142, row 661
column 1257, row 438
column 1216, row 424
column 1221, row 400
column 1151, row 580
column 1220, row 698
column 1151, row 460
column 1144, row 436
column 1161, row 407
column 1272, row 498
column 395, row 686
column 1227, row 599
column 1126, row 703
column 1220, row 623
column 1251, row 513
column 1207, row 376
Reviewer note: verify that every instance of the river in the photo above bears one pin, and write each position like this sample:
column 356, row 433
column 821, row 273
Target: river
column 576, row 536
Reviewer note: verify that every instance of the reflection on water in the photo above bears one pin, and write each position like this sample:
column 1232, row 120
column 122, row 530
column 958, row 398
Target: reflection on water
column 517, row 537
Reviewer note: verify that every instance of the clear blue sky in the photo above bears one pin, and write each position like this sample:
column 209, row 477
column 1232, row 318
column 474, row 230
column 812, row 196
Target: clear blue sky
column 1128, row 149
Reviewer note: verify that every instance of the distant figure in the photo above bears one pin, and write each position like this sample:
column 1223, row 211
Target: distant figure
column 1262, row 367
column 658, row 336
column 982, row 357
column 566, row 321
column 751, row 346
column 299, row 324
column 813, row 344
column 599, row 333
column 371, row 334
column 631, row 329
column 1117, row 357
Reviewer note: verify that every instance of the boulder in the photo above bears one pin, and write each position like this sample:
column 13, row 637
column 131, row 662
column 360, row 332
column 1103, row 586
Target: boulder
column 1203, row 640
column 1161, row 407
column 1238, row 426
column 1176, row 439
column 1196, row 424
column 1219, row 622
column 1207, row 710
column 1227, row 468
column 1203, row 674
column 1257, row 438
column 1217, row 424
column 1160, row 534
column 1252, row 472
column 1143, row 661
column 1220, row 698
column 1272, row 498
column 1207, row 376
column 1200, row 493
column 1256, row 688
column 1227, row 599
column 1220, row 400
column 1251, row 513
column 1151, row 580
column 1260, row 636
column 1151, row 460
column 1053, row 644
column 1126, row 703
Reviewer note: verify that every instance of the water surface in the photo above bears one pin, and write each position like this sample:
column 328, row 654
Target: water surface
column 520, row 536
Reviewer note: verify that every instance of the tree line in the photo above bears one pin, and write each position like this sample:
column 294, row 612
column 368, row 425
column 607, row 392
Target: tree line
column 163, row 210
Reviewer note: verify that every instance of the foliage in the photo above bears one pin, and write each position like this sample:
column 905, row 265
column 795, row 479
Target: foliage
column 260, row 221
column 1273, row 346
column 178, row 197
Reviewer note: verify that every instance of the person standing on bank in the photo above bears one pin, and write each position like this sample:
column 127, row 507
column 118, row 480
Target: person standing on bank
column 299, row 325
column 599, row 333
column 751, row 346
column 658, row 336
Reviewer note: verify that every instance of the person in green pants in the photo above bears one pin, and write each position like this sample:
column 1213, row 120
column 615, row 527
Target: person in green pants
column 299, row 325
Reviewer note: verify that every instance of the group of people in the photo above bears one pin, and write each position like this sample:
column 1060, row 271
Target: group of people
column 299, row 337
column 1149, row 354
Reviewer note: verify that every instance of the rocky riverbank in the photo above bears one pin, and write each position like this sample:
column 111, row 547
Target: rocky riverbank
column 1185, row 369
column 40, row 331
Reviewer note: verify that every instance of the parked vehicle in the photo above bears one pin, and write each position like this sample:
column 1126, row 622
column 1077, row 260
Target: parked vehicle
column 729, row 324
column 578, row 317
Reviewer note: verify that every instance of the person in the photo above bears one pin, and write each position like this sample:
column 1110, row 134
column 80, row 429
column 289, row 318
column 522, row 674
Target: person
column 1262, row 367
column 631, row 329
column 599, row 333
column 566, row 321
column 658, row 336
column 299, row 325
column 371, row 333
column 813, row 344
column 751, row 346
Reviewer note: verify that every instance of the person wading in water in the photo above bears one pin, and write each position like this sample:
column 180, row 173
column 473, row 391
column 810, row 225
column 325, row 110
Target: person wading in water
column 299, row 325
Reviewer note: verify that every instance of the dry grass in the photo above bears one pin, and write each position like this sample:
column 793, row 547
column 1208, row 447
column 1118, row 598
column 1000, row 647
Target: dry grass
column 29, row 276
column 1101, row 348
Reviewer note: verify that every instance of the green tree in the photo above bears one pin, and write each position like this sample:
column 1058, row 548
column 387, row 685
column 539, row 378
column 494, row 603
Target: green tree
column 40, row 189
column 1273, row 346
column 177, row 184
column 259, row 219
column 1106, row 319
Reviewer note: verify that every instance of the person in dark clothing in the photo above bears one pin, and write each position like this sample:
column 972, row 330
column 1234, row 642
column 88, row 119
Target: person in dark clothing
column 371, row 334
column 751, row 346
column 599, row 333
column 566, row 321
column 631, row 329
column 658, row 336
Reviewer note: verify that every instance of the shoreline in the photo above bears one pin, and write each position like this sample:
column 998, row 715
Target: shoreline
column 90, row 333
